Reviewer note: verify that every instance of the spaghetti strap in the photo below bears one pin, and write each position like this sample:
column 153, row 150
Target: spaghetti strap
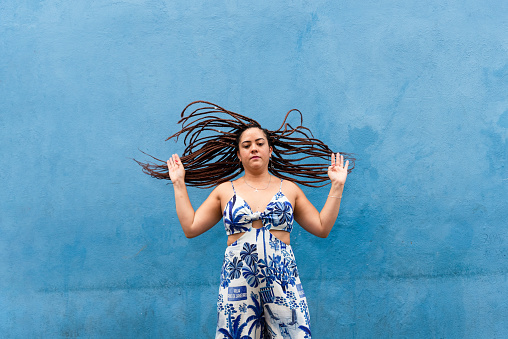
column 234, row 187
column 280, row 188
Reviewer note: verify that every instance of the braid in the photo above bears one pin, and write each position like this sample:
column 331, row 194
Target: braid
column 210, row 156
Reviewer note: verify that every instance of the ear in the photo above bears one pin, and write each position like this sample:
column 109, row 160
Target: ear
column 271, row 150
column 238, row 155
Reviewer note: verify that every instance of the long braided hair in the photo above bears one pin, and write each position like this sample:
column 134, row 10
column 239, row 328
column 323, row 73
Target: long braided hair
column 211, row 140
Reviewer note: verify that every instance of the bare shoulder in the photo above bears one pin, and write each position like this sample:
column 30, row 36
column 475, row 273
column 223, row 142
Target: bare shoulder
column 290, row 189
column 223, row 191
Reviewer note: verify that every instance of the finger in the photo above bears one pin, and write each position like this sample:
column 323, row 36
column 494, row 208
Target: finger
column 341, row 161
column 333, row 159
column 177, row 158
column 347, row 165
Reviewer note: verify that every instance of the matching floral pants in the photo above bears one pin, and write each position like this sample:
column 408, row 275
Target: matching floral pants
column 260, row 293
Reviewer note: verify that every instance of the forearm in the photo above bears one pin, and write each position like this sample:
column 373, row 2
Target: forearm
column 184, row 208
column 330, row 211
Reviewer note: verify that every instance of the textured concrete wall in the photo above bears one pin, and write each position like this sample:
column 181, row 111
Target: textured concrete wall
column 91, row 247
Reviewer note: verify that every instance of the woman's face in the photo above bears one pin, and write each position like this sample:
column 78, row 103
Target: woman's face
column 254, row 151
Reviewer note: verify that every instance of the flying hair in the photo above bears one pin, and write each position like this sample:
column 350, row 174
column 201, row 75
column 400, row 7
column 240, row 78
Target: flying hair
column 211, row 136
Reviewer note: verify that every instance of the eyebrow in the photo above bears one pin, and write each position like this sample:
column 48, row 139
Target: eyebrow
column 243, row 142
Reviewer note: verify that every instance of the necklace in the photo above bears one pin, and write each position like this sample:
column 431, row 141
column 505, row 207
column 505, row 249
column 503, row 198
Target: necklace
column 256, row 189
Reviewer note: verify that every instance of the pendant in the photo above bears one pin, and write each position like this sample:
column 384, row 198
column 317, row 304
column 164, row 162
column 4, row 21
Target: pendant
column 256, row 190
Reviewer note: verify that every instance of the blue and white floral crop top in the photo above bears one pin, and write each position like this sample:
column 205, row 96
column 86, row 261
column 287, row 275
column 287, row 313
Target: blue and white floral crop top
column 238, row 216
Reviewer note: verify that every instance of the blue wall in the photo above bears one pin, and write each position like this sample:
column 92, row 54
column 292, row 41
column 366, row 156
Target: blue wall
column 91, row 247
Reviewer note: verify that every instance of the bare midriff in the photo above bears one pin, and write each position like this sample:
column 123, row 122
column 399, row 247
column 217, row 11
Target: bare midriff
column 281, row 235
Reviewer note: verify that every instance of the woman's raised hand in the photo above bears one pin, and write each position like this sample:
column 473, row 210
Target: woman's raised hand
column 175, row 169
column 337, row 171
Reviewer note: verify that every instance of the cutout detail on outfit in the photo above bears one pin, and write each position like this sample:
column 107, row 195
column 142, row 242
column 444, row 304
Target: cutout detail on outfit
column 238, row 215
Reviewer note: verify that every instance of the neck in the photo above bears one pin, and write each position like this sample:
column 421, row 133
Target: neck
column 257, row 177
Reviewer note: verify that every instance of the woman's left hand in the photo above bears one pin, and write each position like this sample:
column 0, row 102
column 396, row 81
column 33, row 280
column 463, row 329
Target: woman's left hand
column 337, row 171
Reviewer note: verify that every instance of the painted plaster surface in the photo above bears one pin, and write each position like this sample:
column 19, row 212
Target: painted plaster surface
column 418, row 90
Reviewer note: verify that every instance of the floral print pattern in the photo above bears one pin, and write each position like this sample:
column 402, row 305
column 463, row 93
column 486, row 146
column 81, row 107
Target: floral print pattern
column 260, row 293
column 238, row 216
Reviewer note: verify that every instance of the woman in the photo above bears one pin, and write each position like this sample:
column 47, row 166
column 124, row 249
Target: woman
column 260, row 293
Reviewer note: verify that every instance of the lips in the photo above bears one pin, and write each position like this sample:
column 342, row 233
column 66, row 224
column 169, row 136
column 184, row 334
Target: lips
column 255, row 157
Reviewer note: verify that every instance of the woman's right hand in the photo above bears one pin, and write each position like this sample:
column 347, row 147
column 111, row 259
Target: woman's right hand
column 175, row 169
column 193, row 222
